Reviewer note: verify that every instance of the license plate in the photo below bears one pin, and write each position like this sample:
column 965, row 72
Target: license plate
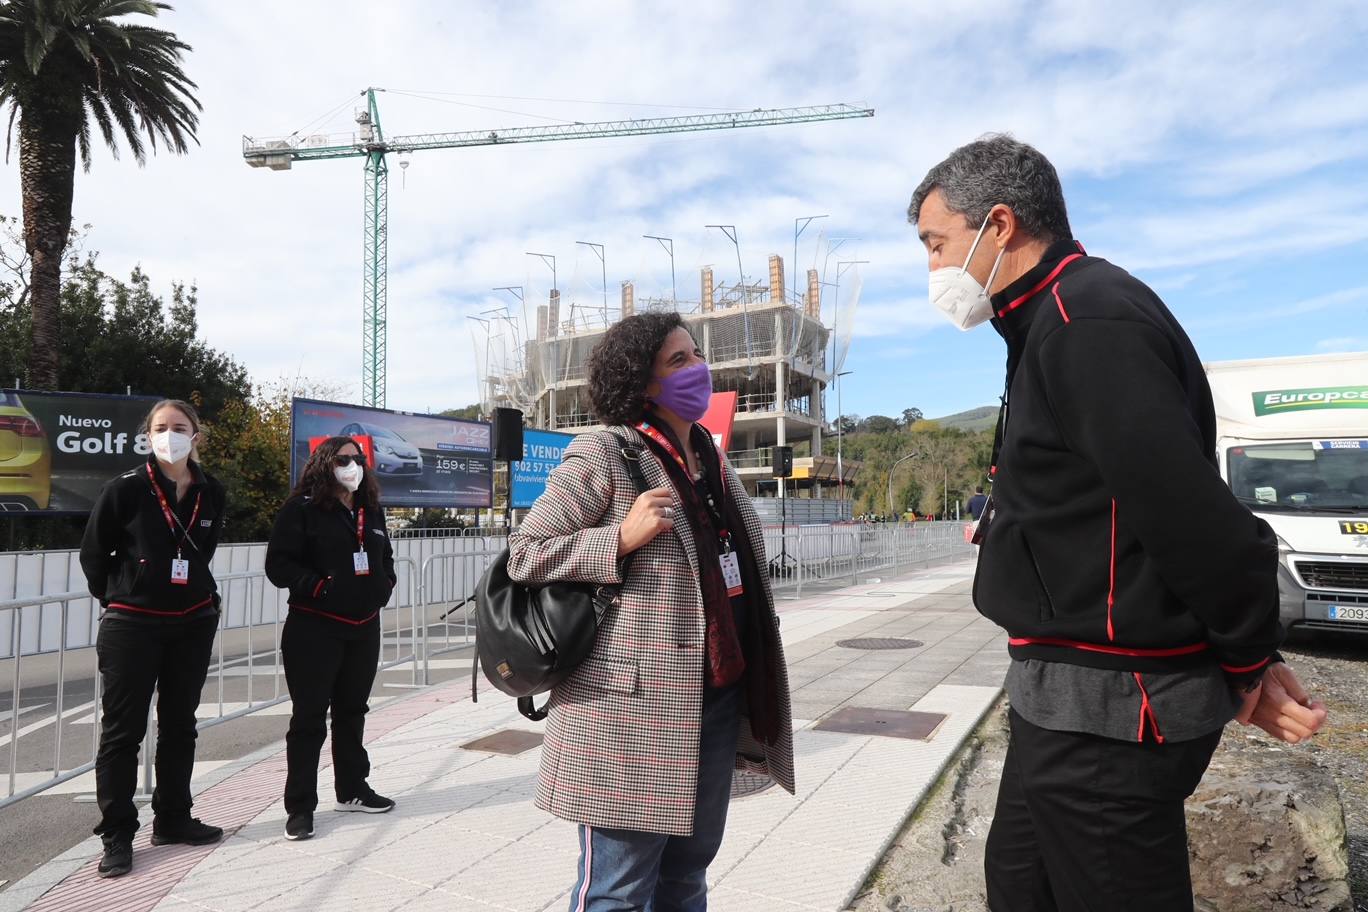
column 1347, row 613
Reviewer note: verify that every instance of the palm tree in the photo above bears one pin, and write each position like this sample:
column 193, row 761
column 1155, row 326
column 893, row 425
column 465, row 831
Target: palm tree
column 64, row 64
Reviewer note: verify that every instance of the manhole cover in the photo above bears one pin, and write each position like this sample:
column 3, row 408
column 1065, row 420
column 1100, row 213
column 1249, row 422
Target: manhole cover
column 892, row 723
column 509, row 741
column 879, row 643
column 745, row 784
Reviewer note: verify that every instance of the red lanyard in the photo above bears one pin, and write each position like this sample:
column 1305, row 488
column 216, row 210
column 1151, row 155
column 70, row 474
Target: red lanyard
column 172, row 520
column 360, row 529
column 669, row 447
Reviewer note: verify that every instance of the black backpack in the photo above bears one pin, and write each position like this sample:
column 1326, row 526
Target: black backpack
column 530, row 638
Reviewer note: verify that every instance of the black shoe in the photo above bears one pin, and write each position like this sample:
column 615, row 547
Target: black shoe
column 188, row 832
column 369, row 803
column 299, row 826
column 118, row 856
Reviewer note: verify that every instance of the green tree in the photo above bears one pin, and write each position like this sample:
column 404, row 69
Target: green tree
column 880, row 424
column 65, row 64
column 911, row 416
column 119, row 336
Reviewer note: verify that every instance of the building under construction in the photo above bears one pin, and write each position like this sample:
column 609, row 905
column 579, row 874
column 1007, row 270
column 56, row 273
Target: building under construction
column 763, row 343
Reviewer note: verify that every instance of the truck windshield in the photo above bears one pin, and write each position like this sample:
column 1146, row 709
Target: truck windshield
column 1310, row 475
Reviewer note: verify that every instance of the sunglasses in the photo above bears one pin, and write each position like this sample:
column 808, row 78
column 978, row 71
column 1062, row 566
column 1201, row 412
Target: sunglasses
column 347, row 459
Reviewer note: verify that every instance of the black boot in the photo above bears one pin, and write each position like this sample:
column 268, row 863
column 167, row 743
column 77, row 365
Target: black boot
column 185, row 832
column 118, row 855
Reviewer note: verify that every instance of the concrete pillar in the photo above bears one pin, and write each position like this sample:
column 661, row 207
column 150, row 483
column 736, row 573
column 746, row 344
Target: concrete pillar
column 776, row 266
column 541, row 323
column 553, row 314
column 628, row 299
column 814, row 295
column 818, row 415
column 551, row 403
column 706, row 297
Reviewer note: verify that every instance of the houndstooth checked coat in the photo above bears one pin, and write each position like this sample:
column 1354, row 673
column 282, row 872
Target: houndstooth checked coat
column 621, row 748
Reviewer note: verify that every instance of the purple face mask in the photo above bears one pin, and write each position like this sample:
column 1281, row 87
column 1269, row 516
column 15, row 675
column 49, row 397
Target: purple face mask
column 686, row 392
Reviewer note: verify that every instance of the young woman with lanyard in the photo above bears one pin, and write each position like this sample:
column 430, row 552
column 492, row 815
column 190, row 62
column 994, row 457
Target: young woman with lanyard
column 146, row 553
column 329, row 547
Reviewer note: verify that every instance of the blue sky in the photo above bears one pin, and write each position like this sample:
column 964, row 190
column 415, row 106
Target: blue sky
column 1216, row 150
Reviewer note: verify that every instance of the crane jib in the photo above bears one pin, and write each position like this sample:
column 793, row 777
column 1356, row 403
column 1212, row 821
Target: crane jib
column 369, row 142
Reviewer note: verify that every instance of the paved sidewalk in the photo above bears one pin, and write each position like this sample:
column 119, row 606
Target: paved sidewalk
column 465, row 835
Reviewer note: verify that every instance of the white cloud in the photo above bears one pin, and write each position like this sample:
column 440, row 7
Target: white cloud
column 1236, row 120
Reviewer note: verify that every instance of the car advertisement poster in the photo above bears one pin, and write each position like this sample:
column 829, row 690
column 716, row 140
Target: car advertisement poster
column 542, row 452
column 57, row 450
column 419, row 460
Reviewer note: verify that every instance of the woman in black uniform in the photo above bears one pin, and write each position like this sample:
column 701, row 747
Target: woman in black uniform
column 329, row 547
column 146, row 554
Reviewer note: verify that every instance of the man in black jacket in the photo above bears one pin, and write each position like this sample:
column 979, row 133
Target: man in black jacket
column 1136, row 633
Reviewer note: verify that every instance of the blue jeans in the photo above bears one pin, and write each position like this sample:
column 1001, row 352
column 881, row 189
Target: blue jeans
column 634, row 871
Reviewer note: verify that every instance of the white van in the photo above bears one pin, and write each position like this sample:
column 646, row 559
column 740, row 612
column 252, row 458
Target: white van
column 1292, row 438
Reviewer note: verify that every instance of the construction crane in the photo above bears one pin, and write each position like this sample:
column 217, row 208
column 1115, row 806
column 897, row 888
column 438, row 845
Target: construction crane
column 369, row 142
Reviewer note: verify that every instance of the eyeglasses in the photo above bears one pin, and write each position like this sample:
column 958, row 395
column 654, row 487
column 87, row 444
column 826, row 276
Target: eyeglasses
column 347, row 459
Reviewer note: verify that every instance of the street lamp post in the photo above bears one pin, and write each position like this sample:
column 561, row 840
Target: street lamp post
column 797, row 230
column 890, row 477
column 840, row 420
column 668, row 244
column 603, row 263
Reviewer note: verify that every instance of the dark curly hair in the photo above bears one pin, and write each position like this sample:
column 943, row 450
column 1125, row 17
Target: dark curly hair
column 317, row 481
column 622, row 363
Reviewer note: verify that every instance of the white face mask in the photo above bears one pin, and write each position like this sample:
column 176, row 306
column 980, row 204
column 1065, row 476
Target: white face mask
column 349, row 476
column 957, row 295
column 171, row 446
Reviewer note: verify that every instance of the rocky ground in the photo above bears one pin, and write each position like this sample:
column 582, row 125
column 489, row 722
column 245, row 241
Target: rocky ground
column 936, row 863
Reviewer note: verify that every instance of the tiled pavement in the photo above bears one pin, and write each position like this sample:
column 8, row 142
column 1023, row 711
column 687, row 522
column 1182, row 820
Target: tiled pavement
column 466, row 837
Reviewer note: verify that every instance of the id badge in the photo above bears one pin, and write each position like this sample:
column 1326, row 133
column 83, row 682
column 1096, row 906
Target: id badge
column 361, row 563
column 180, row 572
column 731, row 574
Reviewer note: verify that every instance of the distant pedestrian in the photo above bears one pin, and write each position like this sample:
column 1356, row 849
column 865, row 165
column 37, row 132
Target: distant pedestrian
column 146, row 552
column 1134, row 638
column 687, row 680
column 977, row 502
column 330, row 548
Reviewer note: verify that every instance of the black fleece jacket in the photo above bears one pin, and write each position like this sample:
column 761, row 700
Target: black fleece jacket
column 311, row 554
column 128, row 546
column 1113, row 542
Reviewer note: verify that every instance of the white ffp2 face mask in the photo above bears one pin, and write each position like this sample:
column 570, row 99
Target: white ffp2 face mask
column 171, row 447
column 957, row 295
column 349, row 476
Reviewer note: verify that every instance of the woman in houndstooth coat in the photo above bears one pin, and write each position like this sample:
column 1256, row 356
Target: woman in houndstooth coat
column 686, row 681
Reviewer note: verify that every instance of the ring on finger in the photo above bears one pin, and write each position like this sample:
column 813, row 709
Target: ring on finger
column 668, row 512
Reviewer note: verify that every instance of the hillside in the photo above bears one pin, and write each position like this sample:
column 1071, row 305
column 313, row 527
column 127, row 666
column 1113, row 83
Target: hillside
column 978, row 419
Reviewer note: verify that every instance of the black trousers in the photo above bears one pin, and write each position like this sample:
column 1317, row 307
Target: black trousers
column 327, row 667
column 1091, row 824
column 135, row 658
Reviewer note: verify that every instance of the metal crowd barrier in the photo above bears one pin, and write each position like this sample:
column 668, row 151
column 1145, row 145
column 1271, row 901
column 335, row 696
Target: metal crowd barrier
column 431, row 615
column 238, row 652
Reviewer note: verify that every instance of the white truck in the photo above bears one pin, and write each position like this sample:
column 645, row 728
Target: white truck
column 1292, row 439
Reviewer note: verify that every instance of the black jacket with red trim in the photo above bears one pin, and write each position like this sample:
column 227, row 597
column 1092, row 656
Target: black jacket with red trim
column 128, row 546
column 1114, row 542
column 311, row 554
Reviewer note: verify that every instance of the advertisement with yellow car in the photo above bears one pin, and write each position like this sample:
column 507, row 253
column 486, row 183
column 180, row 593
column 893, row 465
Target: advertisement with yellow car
column 57, row 450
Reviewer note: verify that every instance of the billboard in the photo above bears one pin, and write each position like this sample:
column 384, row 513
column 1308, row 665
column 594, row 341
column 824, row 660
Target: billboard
column 542, row 452
column 57, row 450
column 419, row 460
column 719, row 418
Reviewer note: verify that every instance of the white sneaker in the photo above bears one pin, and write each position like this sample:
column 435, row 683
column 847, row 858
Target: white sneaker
column 369, row 803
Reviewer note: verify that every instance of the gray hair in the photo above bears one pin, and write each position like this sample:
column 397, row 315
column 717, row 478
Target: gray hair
column 998, row 169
